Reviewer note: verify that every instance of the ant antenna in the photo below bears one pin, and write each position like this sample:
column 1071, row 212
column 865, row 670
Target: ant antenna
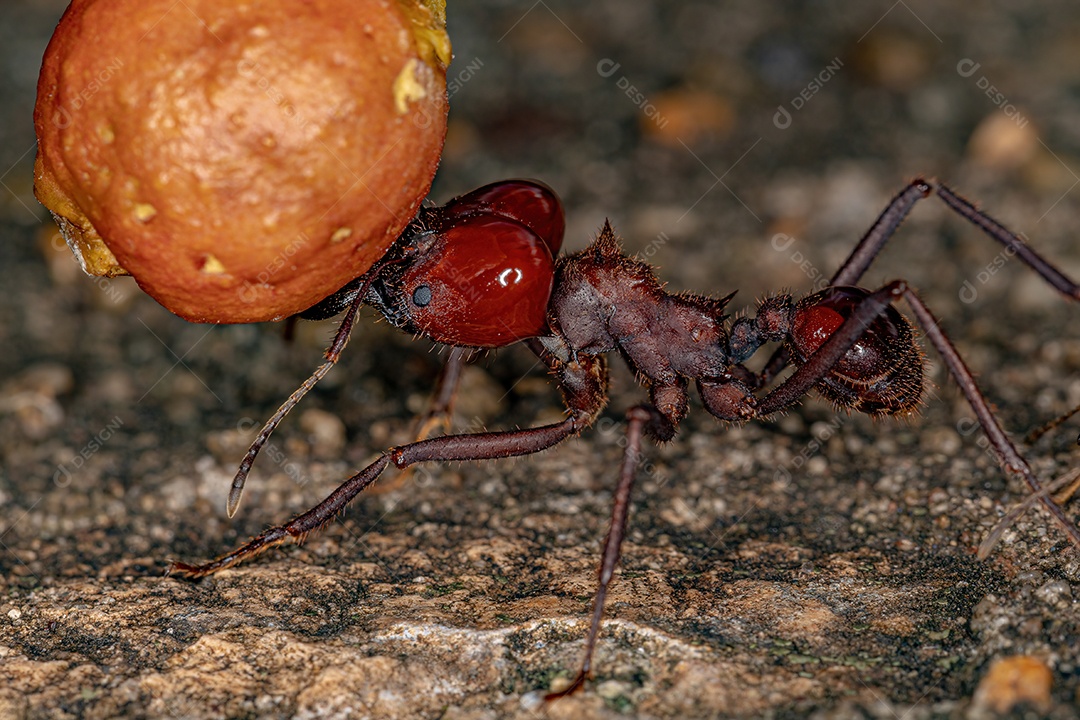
column 332, row 354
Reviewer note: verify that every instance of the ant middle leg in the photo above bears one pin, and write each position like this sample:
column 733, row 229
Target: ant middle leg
column 640, row 420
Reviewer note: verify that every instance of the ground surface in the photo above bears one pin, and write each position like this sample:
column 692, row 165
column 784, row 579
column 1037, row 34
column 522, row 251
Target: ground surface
column 819, row 564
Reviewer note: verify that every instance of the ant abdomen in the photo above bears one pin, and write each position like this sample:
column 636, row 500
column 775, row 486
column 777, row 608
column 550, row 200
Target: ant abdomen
column 882, row 374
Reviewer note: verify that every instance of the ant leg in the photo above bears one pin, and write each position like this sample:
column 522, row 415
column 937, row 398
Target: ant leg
column 1063, row 488
column 1038, row 432
column 584, row 387
column 441, row 408
column 1009, row 457
column 637, row 419
column 830, row 352
column 1054, row 277
column 481, row 446
column 296, row 529
column 856, row 264
column 288, row 333
column 852, row 269
column 583, row 384
column 332, row 354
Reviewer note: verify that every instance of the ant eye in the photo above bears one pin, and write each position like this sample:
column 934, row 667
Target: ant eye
column 528, row 202
column 421, row 296
column 485, row 282
column 882, row 374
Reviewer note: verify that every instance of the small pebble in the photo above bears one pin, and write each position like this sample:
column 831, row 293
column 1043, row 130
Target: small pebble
column 1055, row 592
column 1011, row 682
column 893, row 60
column 687, row 116
column 325, row 431
column 31, row 397
column 1002, row 142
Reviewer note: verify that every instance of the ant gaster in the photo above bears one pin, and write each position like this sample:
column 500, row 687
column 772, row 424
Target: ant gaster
column 479, row 272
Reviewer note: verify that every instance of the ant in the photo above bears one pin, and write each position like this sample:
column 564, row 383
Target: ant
column 479, row 272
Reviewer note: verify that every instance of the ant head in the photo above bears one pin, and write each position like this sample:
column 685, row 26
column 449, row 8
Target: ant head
column 882, row 374
column 483, row 281
column 528, row 202
column 476, row 272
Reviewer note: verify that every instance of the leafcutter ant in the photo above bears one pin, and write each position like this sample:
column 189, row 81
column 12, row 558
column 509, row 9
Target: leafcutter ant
column 480, row 272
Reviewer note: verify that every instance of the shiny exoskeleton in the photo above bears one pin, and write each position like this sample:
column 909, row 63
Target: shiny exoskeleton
column 480, row 272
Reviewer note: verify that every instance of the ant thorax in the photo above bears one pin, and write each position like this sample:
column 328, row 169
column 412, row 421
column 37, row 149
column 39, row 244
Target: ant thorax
column 604, row 300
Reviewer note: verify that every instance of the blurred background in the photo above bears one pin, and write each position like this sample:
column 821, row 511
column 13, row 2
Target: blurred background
column 736, row 146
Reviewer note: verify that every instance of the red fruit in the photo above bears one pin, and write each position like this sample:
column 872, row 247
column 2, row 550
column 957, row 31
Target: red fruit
column 242, row 160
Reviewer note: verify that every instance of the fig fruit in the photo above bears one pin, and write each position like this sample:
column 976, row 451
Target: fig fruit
column 241, row 160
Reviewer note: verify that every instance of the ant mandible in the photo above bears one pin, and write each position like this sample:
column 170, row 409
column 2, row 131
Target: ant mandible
column 479, row 272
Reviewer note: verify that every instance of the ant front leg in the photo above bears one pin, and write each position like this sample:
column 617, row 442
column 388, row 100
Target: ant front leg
column 583, row 383
column 439, row 414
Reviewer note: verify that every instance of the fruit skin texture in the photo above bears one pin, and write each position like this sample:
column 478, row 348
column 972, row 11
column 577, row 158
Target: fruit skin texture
column 242, row 160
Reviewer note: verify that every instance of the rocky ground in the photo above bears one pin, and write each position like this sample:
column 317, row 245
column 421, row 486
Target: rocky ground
column 818, row 564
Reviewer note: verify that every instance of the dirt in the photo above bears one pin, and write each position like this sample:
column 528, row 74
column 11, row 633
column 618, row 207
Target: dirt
column 817, row 564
